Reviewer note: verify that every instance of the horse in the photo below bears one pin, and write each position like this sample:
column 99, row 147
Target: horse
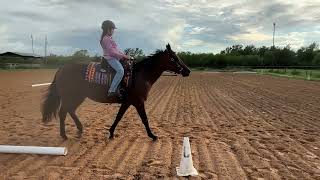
column 69, row 89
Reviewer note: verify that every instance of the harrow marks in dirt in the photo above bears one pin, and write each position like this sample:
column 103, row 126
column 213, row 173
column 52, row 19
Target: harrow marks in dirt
column 241, row 126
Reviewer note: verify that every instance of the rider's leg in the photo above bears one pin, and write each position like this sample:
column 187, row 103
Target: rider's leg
column 116, row 65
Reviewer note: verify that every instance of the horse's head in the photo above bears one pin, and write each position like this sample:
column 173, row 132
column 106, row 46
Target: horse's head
column 175, row 64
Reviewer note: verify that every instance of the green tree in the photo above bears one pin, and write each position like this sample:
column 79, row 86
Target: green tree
column 249, row 50
column 262, row 50
column 81, row 53
column 316, row 59
column 81, row 56
column 305, row 55
column 134, row 52
column 236, row 49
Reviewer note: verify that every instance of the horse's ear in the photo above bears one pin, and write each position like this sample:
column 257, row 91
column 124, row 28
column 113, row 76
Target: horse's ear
column 168, row 47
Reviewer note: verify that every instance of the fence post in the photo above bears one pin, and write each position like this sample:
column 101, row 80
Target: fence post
column 308, row 74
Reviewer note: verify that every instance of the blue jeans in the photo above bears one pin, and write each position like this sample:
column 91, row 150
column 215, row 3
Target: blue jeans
column 117, row 66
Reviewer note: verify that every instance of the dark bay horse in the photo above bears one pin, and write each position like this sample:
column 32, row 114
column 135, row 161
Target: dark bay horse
column 69, row 89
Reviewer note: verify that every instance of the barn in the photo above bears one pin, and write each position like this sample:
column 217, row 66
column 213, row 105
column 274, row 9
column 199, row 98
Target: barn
column 14, row 60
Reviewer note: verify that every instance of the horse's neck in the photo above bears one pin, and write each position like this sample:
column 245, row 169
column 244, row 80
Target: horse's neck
column 152, row 73
column 153, row 76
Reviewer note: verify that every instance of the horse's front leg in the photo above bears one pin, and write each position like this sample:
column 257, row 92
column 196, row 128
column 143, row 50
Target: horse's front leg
column 121, row 112
column 142, row 113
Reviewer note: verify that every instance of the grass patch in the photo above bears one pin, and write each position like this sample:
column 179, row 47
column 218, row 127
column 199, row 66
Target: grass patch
column 306, row 74
column 295, row 72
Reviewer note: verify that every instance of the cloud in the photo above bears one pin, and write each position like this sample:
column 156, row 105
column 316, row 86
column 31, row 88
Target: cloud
column 252, row 35
column 189, row 25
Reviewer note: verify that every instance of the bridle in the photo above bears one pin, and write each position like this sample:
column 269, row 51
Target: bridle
column 177, row 64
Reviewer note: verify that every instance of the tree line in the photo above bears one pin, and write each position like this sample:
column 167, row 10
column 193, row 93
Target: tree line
column 235, row 55
column 239, row 55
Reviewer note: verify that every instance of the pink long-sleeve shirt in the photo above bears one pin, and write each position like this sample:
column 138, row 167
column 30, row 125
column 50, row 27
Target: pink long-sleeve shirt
column 110, row 49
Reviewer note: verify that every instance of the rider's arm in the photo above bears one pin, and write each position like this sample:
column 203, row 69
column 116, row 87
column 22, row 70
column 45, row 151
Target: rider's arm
column 112, row 50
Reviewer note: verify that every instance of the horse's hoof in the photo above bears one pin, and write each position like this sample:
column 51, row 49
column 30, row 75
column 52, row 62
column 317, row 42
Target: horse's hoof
column 154, row 138
column 111, row 137
column 79, row 134
column 64, row 137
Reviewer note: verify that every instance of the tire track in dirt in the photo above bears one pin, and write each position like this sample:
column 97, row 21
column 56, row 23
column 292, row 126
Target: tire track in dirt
column 290, row 141
column 86, row 161
column 232, row 116
column 243, row 145
column 200, row 100
column 198, row 103
column 134, row 157
column 120, row 153
column 166, row 120
column 111, row 147
column 156, row 98
column 286, row 90
column 207, row 165
column 247, row 153
column 161, row 105
column 267, row 101
column 276, row 124
column 243, row 115
column 150, row 162
column 174, row 160
column 245, row 100
column 228, row 166
column 231, row 125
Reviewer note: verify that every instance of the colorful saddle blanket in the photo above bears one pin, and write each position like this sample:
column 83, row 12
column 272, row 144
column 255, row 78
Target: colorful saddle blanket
column 93, row 73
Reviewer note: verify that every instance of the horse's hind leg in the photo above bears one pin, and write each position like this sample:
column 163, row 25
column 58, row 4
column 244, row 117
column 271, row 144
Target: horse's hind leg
column 62, row 117
column 77, row 122
column 72, row 107
column 69, row 105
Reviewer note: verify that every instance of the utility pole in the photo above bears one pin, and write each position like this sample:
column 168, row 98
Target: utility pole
column 274, row 30
column 32, row 44
column 45, row 50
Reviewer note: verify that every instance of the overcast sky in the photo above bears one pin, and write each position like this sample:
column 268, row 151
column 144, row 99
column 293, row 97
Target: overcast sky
column 188, row 25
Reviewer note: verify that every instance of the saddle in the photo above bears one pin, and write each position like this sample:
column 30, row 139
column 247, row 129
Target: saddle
column 102, row 73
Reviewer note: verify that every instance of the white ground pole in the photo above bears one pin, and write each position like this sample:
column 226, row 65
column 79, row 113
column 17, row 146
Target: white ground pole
column 43, row 84
column 244, row 72
column 33, row 150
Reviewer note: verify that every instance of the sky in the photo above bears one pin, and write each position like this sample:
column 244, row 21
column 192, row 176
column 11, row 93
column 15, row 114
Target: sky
column 188, row 25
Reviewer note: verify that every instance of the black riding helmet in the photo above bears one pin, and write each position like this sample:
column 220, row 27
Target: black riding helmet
column 107, row 24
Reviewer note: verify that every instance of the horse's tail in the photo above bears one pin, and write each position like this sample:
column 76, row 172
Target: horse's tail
column 51, row 103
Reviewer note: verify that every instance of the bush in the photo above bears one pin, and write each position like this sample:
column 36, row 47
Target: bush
column 316, row 59
column 316, row 75
column 295, row 72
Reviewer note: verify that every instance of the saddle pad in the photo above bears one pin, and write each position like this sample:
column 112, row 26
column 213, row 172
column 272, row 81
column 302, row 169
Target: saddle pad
column 94, row 75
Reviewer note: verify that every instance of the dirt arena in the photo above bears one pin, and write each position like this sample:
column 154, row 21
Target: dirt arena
column 241, row 126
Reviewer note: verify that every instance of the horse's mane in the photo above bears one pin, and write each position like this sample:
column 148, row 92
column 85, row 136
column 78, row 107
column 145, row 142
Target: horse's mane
column 148, row 61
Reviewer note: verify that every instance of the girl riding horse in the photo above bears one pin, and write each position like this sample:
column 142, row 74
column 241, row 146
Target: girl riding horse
column 69, row 89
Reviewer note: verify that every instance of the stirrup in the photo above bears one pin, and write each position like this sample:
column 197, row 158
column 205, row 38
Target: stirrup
column 103, row 70
column 117, row 94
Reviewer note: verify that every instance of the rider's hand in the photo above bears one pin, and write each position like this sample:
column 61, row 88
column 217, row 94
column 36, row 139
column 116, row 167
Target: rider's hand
column 127, row 57
column 130, row 57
